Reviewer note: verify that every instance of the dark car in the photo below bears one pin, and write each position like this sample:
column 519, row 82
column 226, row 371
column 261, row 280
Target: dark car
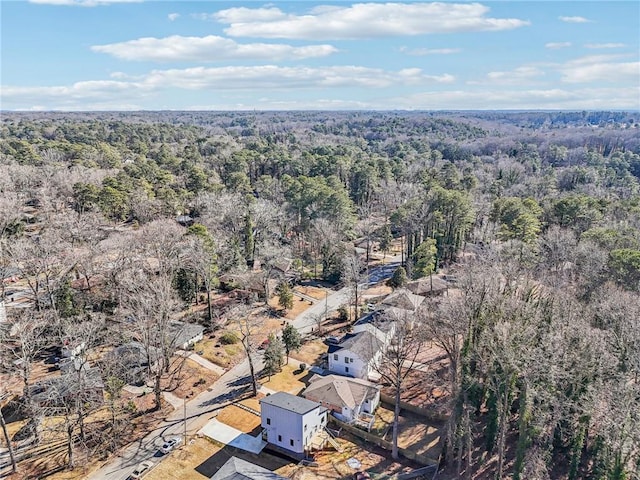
column 361, row 476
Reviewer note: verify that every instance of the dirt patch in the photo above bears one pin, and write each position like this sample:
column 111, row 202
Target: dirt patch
column 190, row 378
column 415, row 432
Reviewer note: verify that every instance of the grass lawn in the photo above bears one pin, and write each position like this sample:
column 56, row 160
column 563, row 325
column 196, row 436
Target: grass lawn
column 313, row 292
column 181, row 463
column 238, row 418
column 310, row 352
column 299, row 306
column 287, row 380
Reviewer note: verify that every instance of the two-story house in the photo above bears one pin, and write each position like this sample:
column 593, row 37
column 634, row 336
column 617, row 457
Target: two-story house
column 357, row 354
column 292, row 424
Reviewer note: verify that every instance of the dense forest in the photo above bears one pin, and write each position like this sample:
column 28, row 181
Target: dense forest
column 537, row 215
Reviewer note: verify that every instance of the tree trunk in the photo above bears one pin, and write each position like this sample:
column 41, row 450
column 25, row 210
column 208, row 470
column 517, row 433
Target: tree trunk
column 252, row 372
column 503, row 430
column 70, row 446
column 8, row 442
column 396, row 421
column 157, row 390
column 209, row 307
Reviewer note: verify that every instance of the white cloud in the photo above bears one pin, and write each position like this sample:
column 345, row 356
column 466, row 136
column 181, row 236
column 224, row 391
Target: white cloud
column 363, row 20
column 276, row 77
column 519, row 99
column 514, row 77
column 82, row 3
column 600, row 68
column 86, row 95
column 604, row 45
column 243, row 14
column 207, row 49
column 575, row 19
column 173, row 16
column 421, row 52
column 557, row 45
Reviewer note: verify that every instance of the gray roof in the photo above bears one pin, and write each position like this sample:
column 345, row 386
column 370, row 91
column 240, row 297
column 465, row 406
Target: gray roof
column 290, row 402
column 237, row 469
column 134, row 354
column 403, row 299
column 341, row 391
column 364, row 344
column 59, row 389
column 423, row 286
column 181, row 332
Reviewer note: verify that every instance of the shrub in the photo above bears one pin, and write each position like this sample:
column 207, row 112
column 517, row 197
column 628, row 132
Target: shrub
column 229, row 338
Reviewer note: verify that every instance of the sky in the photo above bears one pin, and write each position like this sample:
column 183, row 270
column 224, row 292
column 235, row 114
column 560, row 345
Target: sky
column 319, row 55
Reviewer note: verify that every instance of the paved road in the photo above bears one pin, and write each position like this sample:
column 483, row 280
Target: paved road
column 228, row 387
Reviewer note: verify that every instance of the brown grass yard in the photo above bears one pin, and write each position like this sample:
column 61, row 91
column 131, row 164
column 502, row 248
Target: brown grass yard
column 238, row 418
column 299, row 306
column 288, row 380
column 310, row 352
column 313, row 292
column 180, row 464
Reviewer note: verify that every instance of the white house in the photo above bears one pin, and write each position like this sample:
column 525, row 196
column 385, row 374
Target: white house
column 357, row 354
column 351, row 400
column 293, row 423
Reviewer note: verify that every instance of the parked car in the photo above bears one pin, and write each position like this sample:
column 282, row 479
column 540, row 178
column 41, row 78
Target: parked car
column 264, row 345
column 142, row 469
column 170, row 444
column 361, row 476
column 331, row 340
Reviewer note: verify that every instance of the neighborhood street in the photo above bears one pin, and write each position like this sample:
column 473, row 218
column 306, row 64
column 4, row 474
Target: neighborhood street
column 230, row 386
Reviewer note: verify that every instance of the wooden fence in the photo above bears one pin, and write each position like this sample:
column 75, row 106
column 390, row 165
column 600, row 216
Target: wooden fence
column 423, row 412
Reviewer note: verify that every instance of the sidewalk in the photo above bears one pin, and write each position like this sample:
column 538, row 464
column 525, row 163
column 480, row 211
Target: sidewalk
column 202, row 362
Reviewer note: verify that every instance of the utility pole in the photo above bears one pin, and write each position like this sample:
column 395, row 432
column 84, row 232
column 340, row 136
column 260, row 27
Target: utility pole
column 184, row 406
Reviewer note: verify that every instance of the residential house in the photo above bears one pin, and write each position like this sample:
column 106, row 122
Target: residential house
column 293, row 425
column 402, row 300
column 184, row 335
column 357, row 354
column 238, row 469
column 64, row 392
column 428, row 287
column 133, row 362
column 351, row 400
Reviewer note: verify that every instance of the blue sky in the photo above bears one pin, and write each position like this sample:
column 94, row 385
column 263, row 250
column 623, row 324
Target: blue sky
column 170, row 55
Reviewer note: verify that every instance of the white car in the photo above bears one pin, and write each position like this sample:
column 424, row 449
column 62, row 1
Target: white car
column 170, row 444
column 142, row 469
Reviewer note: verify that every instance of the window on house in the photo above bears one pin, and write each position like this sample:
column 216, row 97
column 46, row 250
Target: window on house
column 291, row 442
column 305, row 428
column 268, row 421
column 346, row 359
column 280, row 438
column 335, row 357
column 346, row 369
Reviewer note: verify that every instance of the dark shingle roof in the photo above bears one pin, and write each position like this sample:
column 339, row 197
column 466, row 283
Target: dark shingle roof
column 290, row 402
column 237, row 469
column 364, row 344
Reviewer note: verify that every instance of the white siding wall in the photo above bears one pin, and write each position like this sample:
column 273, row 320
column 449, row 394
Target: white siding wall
column 283, row 426
column 354, row 368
